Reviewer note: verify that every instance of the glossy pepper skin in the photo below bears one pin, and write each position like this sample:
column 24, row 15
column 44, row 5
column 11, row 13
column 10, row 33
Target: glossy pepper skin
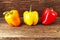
column 30, row 17
column 49, row 16
column 12, row 18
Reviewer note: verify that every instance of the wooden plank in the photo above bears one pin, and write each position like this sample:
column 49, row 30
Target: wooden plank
column 23, row 5
column 24, row 31
column 29, row 38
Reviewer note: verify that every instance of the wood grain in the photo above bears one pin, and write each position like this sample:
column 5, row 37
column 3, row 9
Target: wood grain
column 24, row 31
column 23, row 5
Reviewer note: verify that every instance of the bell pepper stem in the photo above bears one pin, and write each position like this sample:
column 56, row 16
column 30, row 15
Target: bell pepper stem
column 11, row 12
column 51, row 8
column 5, row 12
column 30, row 8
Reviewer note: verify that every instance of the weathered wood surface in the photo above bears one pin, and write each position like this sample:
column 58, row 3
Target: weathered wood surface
column 30, row 39
column 23, row 5
column 24, row 31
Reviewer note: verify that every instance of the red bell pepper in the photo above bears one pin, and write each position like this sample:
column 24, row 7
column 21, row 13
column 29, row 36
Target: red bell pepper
column 48, row 16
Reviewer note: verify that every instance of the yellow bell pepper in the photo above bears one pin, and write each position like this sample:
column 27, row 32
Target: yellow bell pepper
column 30, row 17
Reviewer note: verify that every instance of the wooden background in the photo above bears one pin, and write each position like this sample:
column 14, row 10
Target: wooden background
column 38, row 5
column 22, row 5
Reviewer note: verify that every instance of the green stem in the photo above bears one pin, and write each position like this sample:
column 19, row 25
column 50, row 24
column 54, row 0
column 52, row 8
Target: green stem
column 11, row 12
column 30, row 8
column 51, row 8
column 5, row 12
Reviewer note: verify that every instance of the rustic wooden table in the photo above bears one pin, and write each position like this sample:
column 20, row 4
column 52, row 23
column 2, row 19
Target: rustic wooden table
column 24, row 31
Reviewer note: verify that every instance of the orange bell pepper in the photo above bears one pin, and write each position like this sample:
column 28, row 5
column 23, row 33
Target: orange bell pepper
column 12, row 18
